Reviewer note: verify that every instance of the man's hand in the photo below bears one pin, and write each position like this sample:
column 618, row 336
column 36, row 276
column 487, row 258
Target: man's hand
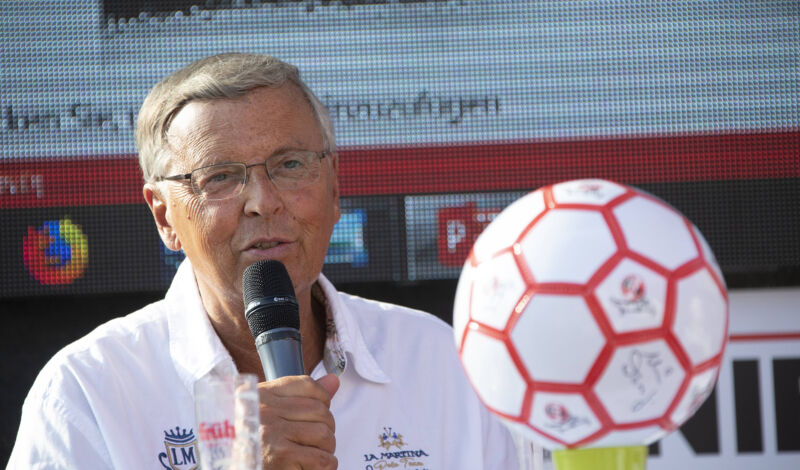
column 297, row 427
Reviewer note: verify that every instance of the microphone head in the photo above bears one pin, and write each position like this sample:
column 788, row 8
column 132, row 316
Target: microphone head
column 269, row 299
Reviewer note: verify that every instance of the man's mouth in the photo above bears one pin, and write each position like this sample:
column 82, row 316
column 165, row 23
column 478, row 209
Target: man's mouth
column 264, row 245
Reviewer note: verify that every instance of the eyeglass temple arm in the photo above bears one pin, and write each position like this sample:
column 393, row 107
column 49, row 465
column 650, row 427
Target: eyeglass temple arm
column 184, row 176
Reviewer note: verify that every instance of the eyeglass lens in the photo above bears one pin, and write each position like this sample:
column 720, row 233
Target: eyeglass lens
column 288, row 171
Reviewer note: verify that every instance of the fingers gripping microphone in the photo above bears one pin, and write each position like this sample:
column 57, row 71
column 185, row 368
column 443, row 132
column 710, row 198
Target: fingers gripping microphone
column 273, row 315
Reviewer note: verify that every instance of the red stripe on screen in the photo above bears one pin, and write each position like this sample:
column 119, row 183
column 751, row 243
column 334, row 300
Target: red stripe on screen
column 423, row 169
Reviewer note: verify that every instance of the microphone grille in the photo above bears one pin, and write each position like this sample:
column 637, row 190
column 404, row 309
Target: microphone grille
column 266, row 278
column 263, row 280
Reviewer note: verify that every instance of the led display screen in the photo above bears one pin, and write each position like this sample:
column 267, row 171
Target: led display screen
column 444, row 111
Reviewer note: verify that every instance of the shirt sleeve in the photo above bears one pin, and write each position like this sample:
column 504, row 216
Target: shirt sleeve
column 57, row 433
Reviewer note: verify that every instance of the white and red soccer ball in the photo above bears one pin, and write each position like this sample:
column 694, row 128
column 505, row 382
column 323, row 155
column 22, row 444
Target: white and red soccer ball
column 590, row 314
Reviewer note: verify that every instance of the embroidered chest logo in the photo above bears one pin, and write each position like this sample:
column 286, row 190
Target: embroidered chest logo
column 394, row 453
column 181, row 450
column 391, row 439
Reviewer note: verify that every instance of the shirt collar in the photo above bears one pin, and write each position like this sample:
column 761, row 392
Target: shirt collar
column 197, row 350
column 344, row 334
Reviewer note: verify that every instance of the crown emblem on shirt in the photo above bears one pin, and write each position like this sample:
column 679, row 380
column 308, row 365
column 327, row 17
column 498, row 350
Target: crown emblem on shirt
column 181, row 450
column 391, row 458
column 179, row 436
column 391, row 439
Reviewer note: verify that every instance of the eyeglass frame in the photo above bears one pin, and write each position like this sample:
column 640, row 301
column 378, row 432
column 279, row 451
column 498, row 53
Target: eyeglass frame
column 188, row 176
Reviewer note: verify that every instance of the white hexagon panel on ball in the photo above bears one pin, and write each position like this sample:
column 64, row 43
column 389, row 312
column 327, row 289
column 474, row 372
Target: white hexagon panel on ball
column 656, row 232
column 589, row 191
column 700, row 317
column 565, row 416
column 497, row 286
column 506, row 228
column 557, row 326
column 640, row 382
column 567, row 245
column 633, row 297
column 492, row 373
column 708, row 254
column 700, row 387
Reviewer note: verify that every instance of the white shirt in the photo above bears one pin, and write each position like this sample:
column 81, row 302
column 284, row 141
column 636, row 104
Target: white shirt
column 122, row 397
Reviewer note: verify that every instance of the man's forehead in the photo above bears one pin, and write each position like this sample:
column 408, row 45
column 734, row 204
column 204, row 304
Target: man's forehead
column 209, row 131
column 265, row 99
column 195, row 126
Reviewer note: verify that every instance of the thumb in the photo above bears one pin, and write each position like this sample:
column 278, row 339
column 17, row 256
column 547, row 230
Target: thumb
column 330, row 383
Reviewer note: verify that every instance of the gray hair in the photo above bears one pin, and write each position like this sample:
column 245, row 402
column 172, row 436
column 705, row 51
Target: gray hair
column 223, row 76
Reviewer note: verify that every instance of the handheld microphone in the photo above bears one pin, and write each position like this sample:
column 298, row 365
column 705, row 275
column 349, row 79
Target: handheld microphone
column 273, row 315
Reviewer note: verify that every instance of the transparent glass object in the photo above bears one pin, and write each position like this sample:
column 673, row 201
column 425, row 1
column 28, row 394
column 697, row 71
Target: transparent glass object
column 226, row 412
column 531, row 456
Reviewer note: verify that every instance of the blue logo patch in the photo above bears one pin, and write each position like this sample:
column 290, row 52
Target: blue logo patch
column 181, row 450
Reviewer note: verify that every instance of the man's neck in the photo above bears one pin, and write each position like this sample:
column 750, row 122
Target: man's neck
column 227, row 319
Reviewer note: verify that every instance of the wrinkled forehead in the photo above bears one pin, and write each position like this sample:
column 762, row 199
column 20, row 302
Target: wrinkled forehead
column 258, row 123
column 195, row 132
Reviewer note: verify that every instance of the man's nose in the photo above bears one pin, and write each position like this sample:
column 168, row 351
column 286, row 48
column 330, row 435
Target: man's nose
column 261, row 195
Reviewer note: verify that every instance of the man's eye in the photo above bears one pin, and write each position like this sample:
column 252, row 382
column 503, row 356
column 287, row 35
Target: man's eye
column 218, row 177
column 291, row 164
column 288, row 162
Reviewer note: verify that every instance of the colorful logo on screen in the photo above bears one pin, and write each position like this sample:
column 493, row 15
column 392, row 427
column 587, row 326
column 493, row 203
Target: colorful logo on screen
column 56, row 253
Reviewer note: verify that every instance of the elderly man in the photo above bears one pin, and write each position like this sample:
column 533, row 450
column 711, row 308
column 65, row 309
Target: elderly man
column 240, row 165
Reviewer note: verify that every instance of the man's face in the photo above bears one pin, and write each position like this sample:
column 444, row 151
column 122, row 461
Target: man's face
column 222, row 238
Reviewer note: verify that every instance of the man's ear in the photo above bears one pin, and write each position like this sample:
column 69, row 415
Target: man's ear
column 159, row 207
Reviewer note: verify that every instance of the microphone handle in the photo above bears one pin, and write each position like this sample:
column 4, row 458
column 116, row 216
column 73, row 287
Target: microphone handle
column 280, row 352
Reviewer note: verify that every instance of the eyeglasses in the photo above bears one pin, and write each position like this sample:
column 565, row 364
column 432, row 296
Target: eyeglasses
column 288, row 171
